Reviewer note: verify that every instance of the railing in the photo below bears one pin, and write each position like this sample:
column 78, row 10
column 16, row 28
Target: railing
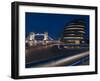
column 58, row 61
column 81, row 61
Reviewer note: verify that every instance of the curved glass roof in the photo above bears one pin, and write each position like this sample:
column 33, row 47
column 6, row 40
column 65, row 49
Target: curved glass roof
column 74, row 30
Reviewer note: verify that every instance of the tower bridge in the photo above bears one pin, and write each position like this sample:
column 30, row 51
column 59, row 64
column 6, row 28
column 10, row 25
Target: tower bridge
column 38, row 39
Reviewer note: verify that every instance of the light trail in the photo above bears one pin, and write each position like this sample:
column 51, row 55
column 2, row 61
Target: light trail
column 66, row 60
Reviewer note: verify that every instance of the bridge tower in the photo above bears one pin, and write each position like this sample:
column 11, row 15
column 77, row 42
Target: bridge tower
column 45, row 37
column 32, row 40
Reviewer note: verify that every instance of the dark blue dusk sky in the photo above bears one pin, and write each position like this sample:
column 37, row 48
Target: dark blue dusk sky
column 51, row 23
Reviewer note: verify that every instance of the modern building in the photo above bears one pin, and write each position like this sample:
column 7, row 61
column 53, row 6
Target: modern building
column 74, row 33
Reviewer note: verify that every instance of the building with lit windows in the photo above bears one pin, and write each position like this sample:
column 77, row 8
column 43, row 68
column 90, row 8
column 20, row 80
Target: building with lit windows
column 74, row 33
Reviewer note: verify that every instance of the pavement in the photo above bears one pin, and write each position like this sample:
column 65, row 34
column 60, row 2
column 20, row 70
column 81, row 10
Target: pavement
column 41, row 55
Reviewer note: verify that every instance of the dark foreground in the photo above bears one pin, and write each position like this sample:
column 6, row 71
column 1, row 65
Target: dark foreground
column 51, row 55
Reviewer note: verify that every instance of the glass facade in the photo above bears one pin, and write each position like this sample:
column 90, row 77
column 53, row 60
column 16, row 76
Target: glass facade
column 74, row 33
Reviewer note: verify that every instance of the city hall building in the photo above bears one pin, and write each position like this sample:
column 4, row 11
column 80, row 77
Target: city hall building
column 74, row 33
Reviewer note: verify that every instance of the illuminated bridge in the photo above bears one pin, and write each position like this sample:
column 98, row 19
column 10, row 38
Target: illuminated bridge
column 39, row 39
